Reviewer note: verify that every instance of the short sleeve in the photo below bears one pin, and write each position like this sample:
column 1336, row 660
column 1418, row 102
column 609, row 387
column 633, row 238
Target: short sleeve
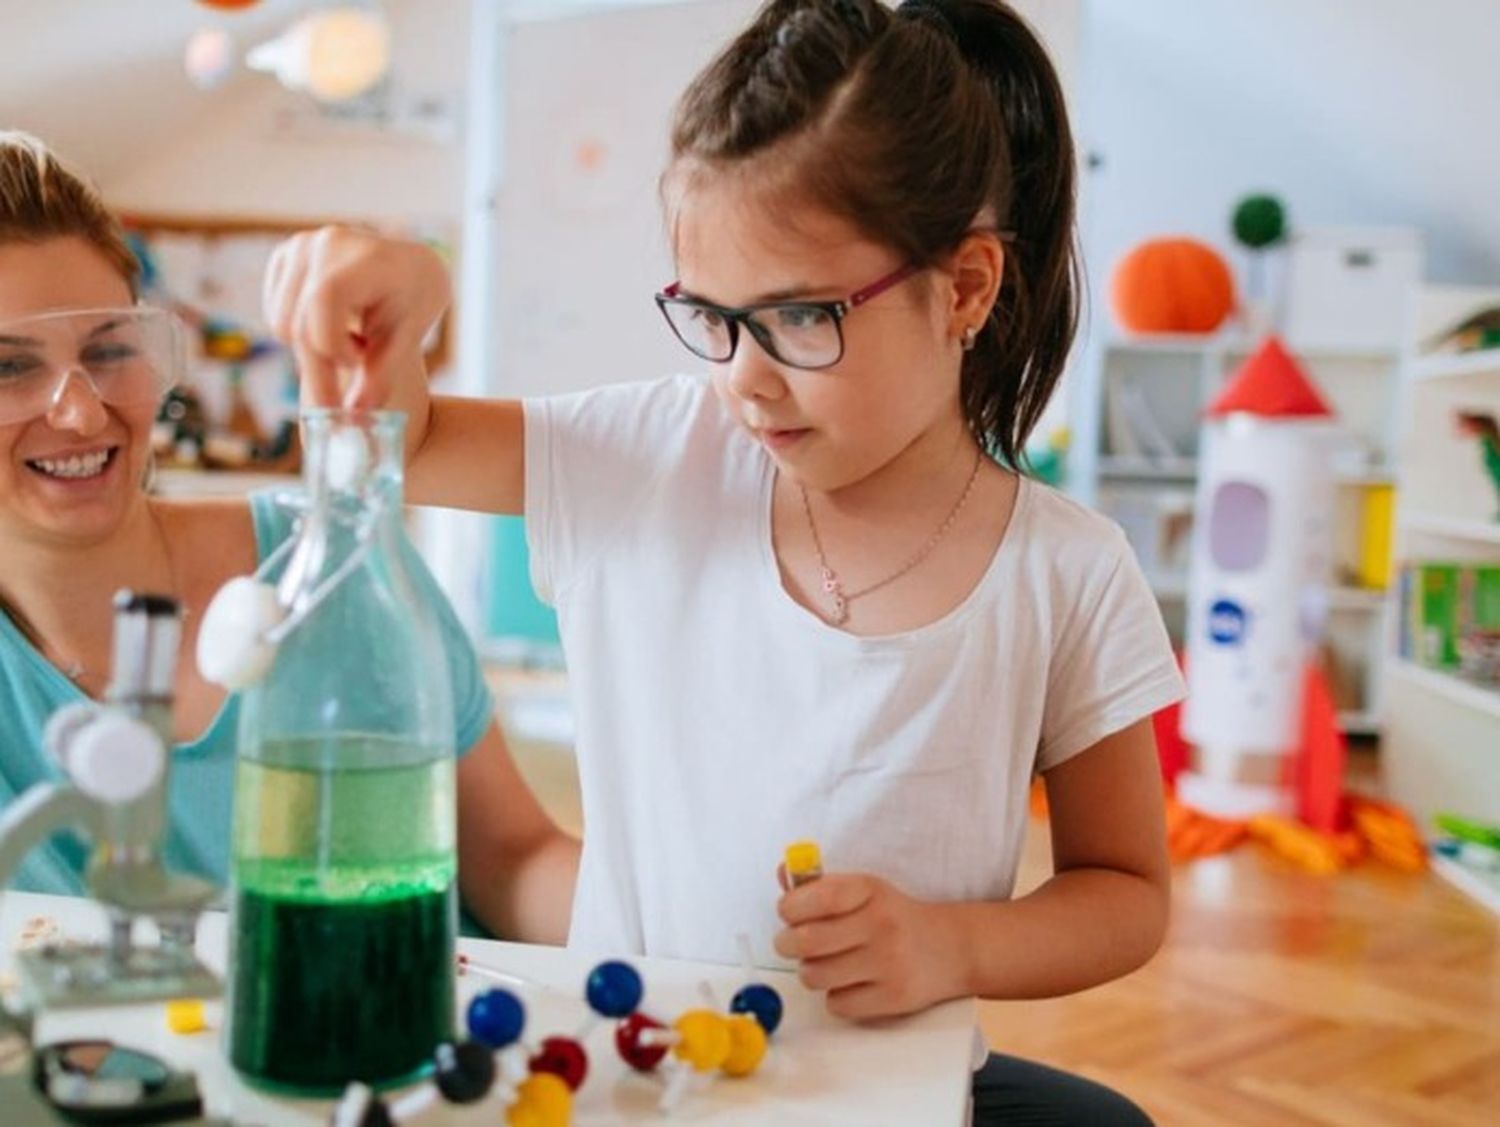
column 592, row 458
column 473, row 705
column 1112, row 664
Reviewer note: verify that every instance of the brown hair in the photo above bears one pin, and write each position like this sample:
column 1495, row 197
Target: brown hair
column 41, row 197
column 916, row 125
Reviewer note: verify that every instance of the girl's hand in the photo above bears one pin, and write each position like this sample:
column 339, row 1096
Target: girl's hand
column 875, row 950
column 351, row 302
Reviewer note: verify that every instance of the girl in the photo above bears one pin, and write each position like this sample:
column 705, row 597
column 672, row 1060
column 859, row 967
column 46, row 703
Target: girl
column 76, row 525
column 802, row 598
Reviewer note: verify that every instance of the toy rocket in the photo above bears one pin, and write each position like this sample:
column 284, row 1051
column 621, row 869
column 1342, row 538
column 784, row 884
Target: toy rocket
column 1258, row 581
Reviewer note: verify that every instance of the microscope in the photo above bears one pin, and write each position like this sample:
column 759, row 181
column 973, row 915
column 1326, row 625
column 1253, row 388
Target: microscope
column 115, row 761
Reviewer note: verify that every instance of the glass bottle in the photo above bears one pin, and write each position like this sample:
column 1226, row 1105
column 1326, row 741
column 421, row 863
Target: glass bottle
column 344, row 864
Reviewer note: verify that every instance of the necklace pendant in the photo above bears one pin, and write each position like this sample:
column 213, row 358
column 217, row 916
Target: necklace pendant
column 840, row 612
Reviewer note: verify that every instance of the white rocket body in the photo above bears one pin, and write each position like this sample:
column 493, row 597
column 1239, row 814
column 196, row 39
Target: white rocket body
column 1257, row 587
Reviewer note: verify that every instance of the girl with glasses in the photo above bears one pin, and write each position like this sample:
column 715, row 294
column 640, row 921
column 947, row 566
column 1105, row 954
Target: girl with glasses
column 808, row 596
column 83, row 369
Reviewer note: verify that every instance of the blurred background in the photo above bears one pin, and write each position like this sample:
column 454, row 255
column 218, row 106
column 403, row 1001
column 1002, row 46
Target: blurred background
column 1318, row 171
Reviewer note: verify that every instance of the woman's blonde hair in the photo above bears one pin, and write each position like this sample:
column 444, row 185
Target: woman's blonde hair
column 41, row 197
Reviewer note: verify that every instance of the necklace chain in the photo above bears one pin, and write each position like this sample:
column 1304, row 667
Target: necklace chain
column 833, row 586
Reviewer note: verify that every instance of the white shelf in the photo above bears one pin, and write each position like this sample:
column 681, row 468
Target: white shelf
column 1186, row 343
column 1148, row 469
column 1484, row 363
column 1453, row 528
column 1342, row 598
column 1365, row 477
column 1239, row 345
column 1175, row 376
column 1481, row 885
column 1440, row 748
column 1117, row 468
column 1450, row 685
column 1356, row 598
column 1359, row 722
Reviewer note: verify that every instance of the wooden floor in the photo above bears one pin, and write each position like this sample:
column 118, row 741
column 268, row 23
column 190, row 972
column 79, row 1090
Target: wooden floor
column 1367, row 999
column 1370, row 998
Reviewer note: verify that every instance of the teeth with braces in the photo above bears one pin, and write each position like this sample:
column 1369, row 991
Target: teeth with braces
column 86, row 466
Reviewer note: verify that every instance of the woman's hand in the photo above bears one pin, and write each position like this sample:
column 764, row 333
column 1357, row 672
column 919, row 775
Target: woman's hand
column 875, row 950
column 355, row 308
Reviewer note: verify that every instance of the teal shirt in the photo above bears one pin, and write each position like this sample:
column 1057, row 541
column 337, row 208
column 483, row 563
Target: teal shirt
column 202, row 783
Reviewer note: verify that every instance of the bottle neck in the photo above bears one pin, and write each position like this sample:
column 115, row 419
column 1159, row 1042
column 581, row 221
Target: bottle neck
column 353, row 458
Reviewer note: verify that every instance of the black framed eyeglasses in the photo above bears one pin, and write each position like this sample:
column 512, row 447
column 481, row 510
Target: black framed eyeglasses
column 799, row 334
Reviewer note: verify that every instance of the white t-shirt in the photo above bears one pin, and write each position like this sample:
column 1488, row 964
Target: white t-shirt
column 718, row 720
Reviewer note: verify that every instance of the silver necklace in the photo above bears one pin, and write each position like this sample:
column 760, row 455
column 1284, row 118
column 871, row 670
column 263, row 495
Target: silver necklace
column 833, row 586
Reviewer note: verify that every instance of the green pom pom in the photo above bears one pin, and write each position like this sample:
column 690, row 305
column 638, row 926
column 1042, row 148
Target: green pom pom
column 1259, row 221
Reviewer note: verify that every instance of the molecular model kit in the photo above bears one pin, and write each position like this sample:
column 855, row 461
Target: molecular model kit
column 535, row 1080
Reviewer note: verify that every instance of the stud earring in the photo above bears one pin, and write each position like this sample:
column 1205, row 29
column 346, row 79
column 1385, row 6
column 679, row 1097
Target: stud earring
column 969, row 334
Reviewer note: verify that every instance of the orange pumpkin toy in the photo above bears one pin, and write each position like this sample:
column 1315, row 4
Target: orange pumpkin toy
column 1172, row 286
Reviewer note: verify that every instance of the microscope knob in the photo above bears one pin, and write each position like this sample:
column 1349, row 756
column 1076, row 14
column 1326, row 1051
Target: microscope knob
column 232, row 648
column 63, row 725
column 116, row 758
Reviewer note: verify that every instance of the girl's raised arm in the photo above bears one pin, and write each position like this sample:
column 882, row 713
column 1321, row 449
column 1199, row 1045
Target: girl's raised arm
column 355, row 308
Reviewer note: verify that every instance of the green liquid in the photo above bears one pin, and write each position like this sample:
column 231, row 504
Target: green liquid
column 327, row 993
column 344, row 916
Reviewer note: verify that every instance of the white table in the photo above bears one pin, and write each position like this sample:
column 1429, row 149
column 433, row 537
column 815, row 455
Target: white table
column 820, row 1070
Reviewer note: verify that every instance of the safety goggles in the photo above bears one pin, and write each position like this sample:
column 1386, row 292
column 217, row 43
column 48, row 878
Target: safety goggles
column 128, row 357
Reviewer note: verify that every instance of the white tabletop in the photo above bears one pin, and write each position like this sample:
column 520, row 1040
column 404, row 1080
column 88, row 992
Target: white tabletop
column 820, row 1070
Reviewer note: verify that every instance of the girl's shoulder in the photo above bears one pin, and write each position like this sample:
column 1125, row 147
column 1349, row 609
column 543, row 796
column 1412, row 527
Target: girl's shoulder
column 1068, row 536
column 655, row 424
column 665, row 403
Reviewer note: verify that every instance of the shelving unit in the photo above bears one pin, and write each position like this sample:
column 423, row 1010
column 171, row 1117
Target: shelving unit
column 1450, row 686
column 1149, row 486
column 1481, row 885
column 1442, row 741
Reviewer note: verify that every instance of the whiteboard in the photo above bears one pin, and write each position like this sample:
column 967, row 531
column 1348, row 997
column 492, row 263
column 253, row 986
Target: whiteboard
column 578, row 248
column 588, row 102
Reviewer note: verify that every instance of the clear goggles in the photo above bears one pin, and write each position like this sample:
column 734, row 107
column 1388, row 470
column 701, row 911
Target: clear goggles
column 129, row 357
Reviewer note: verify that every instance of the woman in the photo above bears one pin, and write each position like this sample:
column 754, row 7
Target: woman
column 76, row 525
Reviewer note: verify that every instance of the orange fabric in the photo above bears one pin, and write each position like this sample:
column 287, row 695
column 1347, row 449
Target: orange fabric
column 1291, row 840
column 1191, row 834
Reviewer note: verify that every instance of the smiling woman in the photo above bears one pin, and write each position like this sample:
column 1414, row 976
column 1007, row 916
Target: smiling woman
column 83, row 369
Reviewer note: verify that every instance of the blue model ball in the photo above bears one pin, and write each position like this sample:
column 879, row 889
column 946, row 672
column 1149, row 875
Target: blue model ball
column 496, row 1018
column 614, row 989
column 760, row 1002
